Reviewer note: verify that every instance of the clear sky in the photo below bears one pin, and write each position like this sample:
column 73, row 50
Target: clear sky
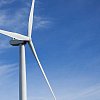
column 66, row 34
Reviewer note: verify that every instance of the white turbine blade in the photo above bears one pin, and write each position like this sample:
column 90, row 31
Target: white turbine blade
column 30, row 24
column 14, row 35
column 35, row 54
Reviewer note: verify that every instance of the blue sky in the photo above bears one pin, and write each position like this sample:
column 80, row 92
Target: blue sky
column 66, row 36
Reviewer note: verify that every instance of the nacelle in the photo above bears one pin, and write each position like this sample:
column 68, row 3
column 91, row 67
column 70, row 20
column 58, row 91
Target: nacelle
column 17, row 42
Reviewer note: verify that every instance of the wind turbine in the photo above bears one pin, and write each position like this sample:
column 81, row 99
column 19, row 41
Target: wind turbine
column 21, row 40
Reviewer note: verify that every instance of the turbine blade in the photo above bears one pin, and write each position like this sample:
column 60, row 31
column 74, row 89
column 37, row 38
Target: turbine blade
column 14, row 35
column 30, row 24
column 38, row 61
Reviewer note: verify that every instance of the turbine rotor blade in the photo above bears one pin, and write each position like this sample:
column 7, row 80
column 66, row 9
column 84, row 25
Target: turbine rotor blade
column 30, row 24
column 38, row 61
column 15, row 35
